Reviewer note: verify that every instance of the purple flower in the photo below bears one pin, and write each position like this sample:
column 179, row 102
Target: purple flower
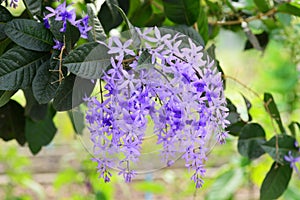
column 180, row 92
column 292, row 160
column 83, row 26
column 14, row 3
column 58, row 44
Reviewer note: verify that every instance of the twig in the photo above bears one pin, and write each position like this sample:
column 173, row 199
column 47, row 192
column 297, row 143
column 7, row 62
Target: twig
column 240, row 20
column 59, row 70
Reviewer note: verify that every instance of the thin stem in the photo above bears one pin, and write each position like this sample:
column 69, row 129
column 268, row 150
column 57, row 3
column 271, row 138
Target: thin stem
column 240, row 20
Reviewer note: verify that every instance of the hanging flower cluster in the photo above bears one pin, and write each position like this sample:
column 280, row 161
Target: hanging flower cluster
column 66, row 13
column 168, row 80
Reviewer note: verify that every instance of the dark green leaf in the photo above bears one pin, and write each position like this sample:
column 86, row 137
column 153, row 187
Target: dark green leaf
column 264, row 5
column 71, row 92
column 70, row 37
column 276, row 181
column 142, row 14
column 279, row 146
column 40, row 133
column 271, row 108
column 293, row 126
column 5, row 15
column 133, row 33
column 235, row 129
column 34, row 6
column 97, row 32
column 156, row 19
column 182, row 11
column 18, row 67
column 77, row 118
column 12, row 122
column 202, row 24
column 33, row 109
column 5, row 96
column 4, row 44
column 29, row 34
column 45, row 83
column 109, row 15
column 250, row 139
column 289, row 8
column 144, row 58
column 88, row 60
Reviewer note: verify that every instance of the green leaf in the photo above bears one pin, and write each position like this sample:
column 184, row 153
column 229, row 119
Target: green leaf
column 235, row 129
column 12, row 122
column 293, row 126
column 182, row 11
column 34, row 6
column 289, row 8
column 279, row 146
column 88, row 60
column 133, row 33
column 5, row 15
column 109, row 15
column 248, row 106
column 40, row 133
column 18, row 67
column 264, row 5
column 276, row 181
column 202, row 23
column 5, row 96
column 77, row 118
column 225, row 185
column 45, row 83
column 33, row 109
column 4, row 44
column 71, row 92
column 142, row 14
column 271, row 108
column 250, row 139
column 97, row 32
column 29, row 34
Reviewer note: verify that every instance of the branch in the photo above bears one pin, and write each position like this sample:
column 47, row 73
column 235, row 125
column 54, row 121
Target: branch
column 239, row 21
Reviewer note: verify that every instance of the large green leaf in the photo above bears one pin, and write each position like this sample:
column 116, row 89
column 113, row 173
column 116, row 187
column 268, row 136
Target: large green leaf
column 142, row 14
column 77, row 118
column 109, row 15
column 279, row 146
column 182, row 11
column 264, row 5
column 271, row 108
column 289, row 8
column 293, row 126
column 33, row 109
column 71, row 92
column 88, row 60
column 276, row 181
column 29, row 34
column 202, row 23
column 5, row 15
column 12, row 122
column 250, row 138
column 97, row 32
column 40, row 133
column 18, row 67
column 5, row 96
column 45, row 83
column 4, row 44
column 34, row 6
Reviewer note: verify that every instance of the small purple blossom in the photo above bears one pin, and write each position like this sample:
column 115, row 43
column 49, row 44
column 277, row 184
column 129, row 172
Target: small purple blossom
column 83, row 26
column 14, row 3
column 179, row 90
column 292, row 160
column 58, row 44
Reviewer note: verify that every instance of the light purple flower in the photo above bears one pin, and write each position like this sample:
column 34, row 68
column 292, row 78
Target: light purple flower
column 292, row 160
column 83, row 26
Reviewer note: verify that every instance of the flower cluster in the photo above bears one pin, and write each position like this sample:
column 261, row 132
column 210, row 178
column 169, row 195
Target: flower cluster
column 168, row 80
column 66, row 14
